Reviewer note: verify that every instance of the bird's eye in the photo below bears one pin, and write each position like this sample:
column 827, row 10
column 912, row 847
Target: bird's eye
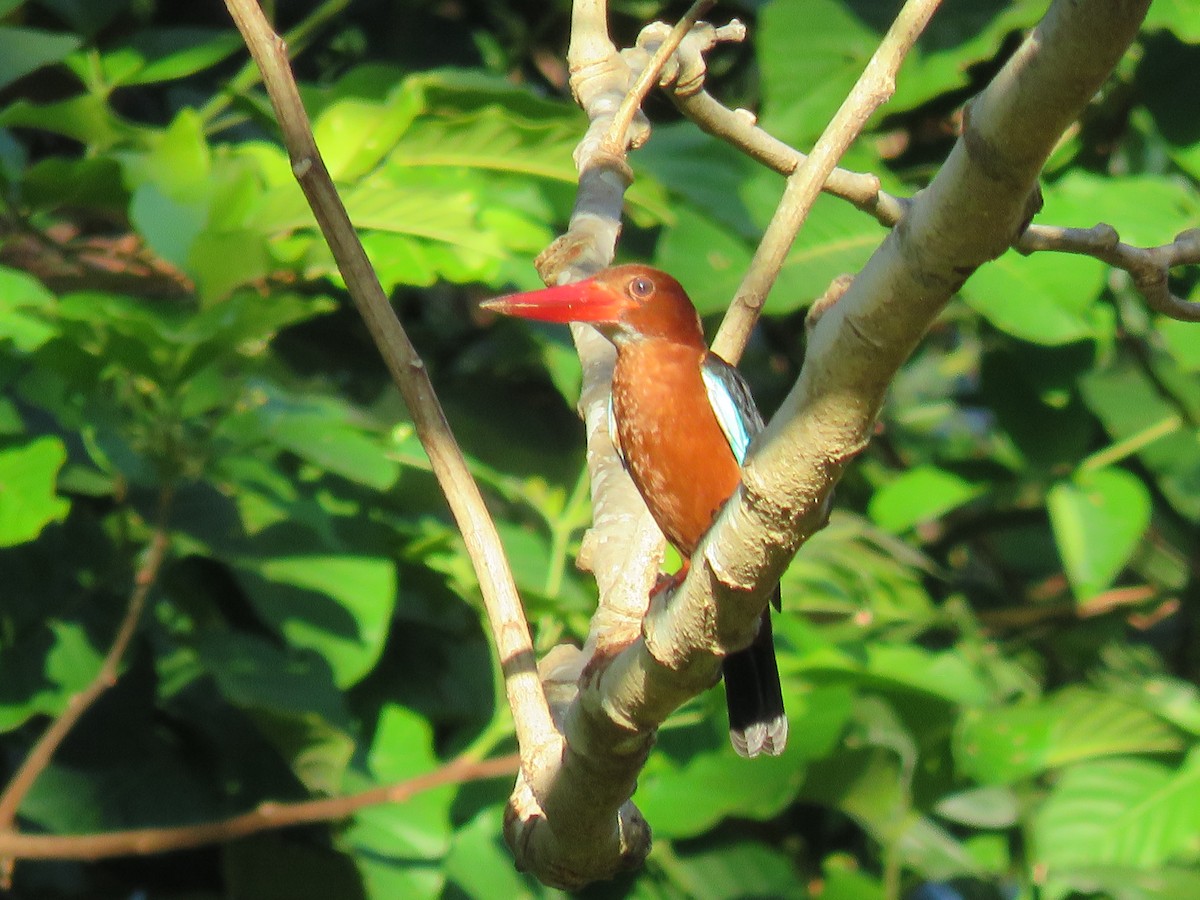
column 640, row 287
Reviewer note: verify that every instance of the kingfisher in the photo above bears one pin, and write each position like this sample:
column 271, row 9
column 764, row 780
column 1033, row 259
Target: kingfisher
column 681, row 419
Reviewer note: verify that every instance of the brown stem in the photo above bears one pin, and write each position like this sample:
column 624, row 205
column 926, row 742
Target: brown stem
column 1150, row 267
column 266, row 817
column 738, row 128
column 106, row 676
column 536, row 732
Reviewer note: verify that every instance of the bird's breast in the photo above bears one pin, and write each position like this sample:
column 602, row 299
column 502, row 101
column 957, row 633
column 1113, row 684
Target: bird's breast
column 673, row 444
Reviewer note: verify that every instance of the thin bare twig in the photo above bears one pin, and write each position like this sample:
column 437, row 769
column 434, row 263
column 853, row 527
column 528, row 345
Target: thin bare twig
column 106, row 676
column 874, row 87
column 614, row 140
column 1150, row 267
column 739, row 128
column 266, row 817
column 536, row 732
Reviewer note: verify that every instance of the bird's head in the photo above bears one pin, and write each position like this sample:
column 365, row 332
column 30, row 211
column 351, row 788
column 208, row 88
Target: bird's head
column 627, row 303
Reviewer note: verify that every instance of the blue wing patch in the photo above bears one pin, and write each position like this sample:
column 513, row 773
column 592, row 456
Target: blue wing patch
column 729, row 397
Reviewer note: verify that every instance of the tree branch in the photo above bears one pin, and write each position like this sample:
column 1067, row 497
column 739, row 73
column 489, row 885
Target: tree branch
column 972, row 211
column 537, row 735
column 1150, row 267
column 873, row 88
column 266, row 817
column 739, row 128
column 577, row 825
column 47, row 745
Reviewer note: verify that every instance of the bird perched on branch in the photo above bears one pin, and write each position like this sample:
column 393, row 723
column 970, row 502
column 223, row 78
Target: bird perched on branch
column 681, row 419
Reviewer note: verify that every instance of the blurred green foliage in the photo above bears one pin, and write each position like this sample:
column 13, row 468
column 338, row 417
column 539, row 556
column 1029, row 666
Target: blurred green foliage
column 989, row 655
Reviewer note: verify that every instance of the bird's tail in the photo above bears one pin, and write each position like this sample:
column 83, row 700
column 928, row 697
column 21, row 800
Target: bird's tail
column 757, row 721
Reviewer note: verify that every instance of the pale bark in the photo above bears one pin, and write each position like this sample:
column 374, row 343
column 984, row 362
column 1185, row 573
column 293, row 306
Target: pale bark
column 582, row 827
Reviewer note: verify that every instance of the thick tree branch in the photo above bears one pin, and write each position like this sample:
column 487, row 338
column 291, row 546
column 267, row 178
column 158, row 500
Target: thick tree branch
column 577, row 825
column 536, row 733
column 971, row 212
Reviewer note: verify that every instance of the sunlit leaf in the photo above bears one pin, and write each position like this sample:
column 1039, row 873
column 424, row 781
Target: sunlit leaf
column 28, row 502
column 663, row 795
column 999, row 746
column 1099, row 518
column 339, row 606
column 918, row 495
column 1132, row 812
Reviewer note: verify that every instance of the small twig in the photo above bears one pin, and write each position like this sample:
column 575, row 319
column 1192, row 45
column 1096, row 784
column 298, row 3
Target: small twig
column 106, row 676
column 297, row 39
column 873, row 88
column 266, row 817
column 1132, row 444
column 536, row 732
column 1032, row 615
column 739, row 129
column 1150, row 267
column 614, row 140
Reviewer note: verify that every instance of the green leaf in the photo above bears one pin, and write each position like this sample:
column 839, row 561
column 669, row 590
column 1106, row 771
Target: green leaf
column 665, row 799
column 902, row 667
column 480, row 864
column 1098, row 519
column 732, row 871
column 811, row 54
column 1146, row 210
column 844, row 880
column 1002, row 746
column 1182, row 339
column 338, row 606
column 86, row 16
column 86, row 118
column 850, row 560
column 336, row 447
column 1131, row 406
column 390, row 841
column 1123, row 883
column 93, row 183
column 355, row 135
column 25, row 307
column 28, row 502
column 168, row 54
column 836, row 239
column 25, row 50
column 39, row 673
column 1181, row 17
column 919, row 495
column 255, row 674
column 980, row 807
column 1046, row 298
column 1130, row 812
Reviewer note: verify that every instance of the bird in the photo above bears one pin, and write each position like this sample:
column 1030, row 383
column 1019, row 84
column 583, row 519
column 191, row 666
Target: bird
column 681, row 419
